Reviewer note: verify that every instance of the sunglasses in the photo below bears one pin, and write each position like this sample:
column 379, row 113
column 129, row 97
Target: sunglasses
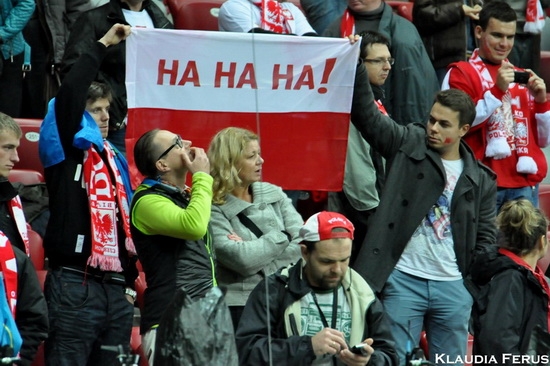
column 177, row 142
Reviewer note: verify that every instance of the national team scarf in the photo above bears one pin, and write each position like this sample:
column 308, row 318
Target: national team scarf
column 381, row 107
column 347, row 26
column 16, row 209
column 9, row 334
column 504, row 131
column 8, row 267
column 103, row 210
column 539, row 275
column 274, row 17
column 534, row 17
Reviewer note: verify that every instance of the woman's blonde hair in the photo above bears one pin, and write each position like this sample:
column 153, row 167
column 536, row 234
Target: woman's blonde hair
column 225, row 152
column 520, row 226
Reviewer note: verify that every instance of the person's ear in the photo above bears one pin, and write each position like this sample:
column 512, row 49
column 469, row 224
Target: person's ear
column 477, row 31
column 305, row 253
column 161, row 165
column 464, row 130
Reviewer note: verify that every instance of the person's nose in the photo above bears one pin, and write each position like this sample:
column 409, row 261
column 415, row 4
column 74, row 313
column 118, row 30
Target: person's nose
column 14, row 156
column 105, row 115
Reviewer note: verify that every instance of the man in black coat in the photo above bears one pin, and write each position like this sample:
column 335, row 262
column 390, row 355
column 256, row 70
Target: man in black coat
column 436, row 213
column 90, row 27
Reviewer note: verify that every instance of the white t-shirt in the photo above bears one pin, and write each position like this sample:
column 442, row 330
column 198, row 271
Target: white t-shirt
column 311, row 319
column 430, row 252
column 242, row 16
column 138, row 19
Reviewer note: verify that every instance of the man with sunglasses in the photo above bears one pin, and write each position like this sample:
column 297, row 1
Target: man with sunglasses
column 87, row 241
column 169, row 224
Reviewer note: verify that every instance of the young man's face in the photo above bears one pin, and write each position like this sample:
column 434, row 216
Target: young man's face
column 9, row 143
column 378, row 63
column 496, row 41
column 99, row 110
column 444, row 133
column 327, row 264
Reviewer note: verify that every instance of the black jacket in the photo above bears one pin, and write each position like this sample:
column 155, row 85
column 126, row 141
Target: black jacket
column 442, row 26
column 31, row 314
column 170, row 263
column 68, row 236
column 509, row 306
column 90, row 27
column 285, row 289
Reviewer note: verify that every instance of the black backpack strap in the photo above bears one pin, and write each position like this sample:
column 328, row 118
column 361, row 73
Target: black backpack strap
column 250, row 224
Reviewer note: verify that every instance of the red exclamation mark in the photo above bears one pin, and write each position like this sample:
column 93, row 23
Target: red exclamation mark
column 329, row 65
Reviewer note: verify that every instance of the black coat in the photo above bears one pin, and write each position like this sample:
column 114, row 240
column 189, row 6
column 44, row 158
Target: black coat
column 509, row 306
column 31, row 312
column 90, row 27
column 414, row 182
column 442, row 26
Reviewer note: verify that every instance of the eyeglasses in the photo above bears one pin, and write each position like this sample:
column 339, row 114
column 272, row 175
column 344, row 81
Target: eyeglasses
column 178, row 142
column 380, row 61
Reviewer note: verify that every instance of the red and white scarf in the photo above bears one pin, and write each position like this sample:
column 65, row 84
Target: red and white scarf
column 103, row 210
column 8, row 266
column 534, row 17
column 16, row 209
column 347, row 26
column 275, row 18
column 505, row 131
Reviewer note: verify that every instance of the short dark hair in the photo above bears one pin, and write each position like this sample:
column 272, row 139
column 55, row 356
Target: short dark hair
column 99, row 90
column 146, row 153
column 498, row 10
column 371, row 37
column 460, row 102
column 310, row 245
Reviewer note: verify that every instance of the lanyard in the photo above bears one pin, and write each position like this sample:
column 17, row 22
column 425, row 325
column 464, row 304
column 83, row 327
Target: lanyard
column 334, row 309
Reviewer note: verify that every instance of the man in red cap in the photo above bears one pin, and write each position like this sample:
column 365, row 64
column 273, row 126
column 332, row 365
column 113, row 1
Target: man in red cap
column 318, row 308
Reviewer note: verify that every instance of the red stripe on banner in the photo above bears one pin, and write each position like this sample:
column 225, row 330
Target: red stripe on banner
column 302, row 151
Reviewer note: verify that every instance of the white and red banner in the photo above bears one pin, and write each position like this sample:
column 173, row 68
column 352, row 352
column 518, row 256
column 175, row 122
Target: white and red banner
column 294, row 92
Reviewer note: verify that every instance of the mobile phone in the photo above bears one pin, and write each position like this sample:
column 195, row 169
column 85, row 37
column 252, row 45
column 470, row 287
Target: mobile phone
column 359, row 349
column 521, row 77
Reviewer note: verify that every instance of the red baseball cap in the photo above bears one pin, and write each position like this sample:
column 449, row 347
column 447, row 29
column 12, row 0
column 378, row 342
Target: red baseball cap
column 319, row 227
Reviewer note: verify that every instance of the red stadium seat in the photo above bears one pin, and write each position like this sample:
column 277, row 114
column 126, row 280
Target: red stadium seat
column 544, row 199
column 41, row 274
column 140, row 285
column 402, row 8
column 28, row 148
column 195, row 14
column 36, row 250
column 39, row 358
column 26, row 176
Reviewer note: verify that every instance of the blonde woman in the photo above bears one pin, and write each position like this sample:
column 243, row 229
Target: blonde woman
column 254, row 224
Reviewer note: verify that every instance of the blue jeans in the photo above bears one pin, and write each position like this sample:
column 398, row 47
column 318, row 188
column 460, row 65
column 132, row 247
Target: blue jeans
column 442, row 307
column 508, row 194
column 84, row 315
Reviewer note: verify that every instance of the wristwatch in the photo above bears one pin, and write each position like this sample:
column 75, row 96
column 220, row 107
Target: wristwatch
column 129, row 291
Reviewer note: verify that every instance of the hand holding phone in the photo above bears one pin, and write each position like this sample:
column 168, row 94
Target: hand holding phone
column 521, row 77
column 359, row 349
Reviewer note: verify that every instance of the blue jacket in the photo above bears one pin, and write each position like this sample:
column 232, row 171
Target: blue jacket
column 14, row 16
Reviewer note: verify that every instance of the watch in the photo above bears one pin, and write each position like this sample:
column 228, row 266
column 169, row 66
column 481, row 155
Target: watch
column 129, row 291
